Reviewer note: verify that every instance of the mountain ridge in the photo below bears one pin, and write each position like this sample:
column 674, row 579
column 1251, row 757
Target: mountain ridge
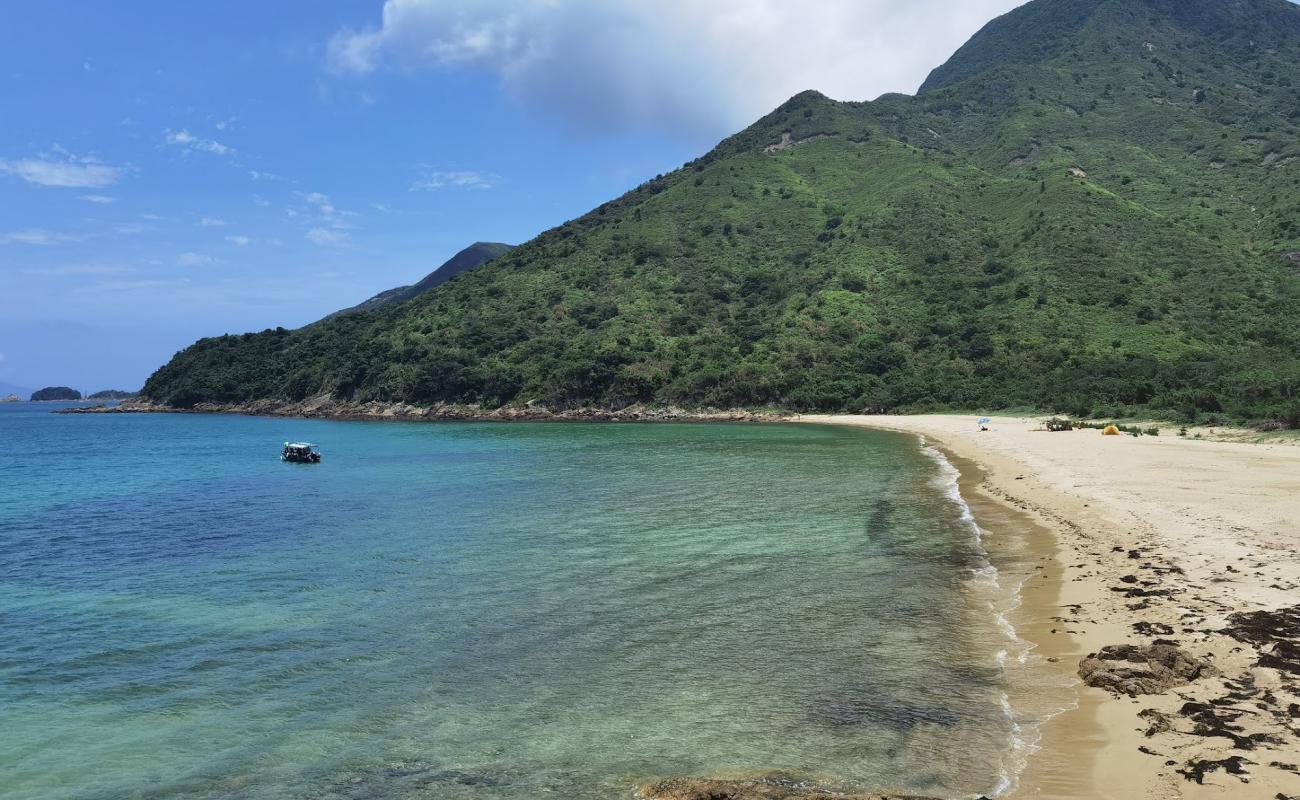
column 1038, row 31
column 1109, row 225
column 475, row 255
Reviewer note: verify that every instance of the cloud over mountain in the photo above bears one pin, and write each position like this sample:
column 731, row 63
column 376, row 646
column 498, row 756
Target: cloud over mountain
column 678, row 65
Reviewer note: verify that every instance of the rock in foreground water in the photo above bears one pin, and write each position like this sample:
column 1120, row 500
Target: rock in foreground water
column 757, row 789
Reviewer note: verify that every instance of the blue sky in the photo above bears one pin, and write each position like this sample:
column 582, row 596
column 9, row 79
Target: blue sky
column 176, row 170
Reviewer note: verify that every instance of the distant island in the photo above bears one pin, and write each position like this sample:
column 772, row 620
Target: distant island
column 14, row 390
column 13, row 398
column 55, row 393
column 112, row 394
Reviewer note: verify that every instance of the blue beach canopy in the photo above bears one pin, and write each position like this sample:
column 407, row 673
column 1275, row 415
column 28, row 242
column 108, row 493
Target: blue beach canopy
column 984, row 420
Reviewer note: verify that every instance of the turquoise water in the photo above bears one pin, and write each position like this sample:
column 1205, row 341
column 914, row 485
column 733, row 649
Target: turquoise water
column 487, row 611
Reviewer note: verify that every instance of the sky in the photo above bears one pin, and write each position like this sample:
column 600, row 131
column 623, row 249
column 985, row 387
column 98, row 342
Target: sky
column 170, row 171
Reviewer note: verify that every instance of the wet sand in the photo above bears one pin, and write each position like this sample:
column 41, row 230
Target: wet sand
column 1132, row 541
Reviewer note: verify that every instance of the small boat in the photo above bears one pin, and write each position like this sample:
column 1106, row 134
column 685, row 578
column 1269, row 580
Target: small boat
column 300, row 453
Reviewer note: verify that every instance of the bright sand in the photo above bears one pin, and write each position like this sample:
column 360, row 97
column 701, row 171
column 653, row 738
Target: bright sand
column 1226, row 514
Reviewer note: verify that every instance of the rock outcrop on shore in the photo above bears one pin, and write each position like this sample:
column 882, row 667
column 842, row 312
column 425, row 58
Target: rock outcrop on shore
column 1134, row 669
column 330, row 408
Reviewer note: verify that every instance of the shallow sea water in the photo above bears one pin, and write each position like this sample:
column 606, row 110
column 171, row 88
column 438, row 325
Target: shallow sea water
column 485, row 611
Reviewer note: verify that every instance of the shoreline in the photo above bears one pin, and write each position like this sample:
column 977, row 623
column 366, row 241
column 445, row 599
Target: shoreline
column 1126, row 560
column 1032, row 560
column 329, row 408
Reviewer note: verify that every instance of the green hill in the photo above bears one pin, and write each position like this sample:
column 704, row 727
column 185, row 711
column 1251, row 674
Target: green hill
column 112, row 394
column 55, row 393
column 1093, row 205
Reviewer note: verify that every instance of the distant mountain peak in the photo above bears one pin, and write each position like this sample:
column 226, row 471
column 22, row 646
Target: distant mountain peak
column 475, row 255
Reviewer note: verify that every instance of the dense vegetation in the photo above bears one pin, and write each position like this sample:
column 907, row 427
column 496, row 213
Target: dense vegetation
column 1095, row 206
column 55, row 393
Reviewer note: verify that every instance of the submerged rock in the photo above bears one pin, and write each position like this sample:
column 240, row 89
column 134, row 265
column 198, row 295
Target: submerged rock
column 756, row 789
column 1135, row 669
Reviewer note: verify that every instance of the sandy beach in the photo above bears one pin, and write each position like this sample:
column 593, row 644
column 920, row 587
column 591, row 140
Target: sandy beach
column 1142, row 541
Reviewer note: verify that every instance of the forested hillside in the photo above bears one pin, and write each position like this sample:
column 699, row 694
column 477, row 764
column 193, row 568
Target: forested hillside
column 1095, row 205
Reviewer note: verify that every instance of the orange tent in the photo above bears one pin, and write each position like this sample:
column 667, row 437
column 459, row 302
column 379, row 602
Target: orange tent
column 1111, row 430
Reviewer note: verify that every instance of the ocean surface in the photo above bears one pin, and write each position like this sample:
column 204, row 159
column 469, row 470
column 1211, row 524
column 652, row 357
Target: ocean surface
column 487, row 611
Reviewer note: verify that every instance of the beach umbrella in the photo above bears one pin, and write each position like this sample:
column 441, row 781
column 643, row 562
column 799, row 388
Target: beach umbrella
column 985, row 420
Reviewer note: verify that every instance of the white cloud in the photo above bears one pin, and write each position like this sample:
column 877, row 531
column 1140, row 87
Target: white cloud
column 262, row 175
column 193, row 260
column 130, row 228
column 682, row 66
column 209, row 146
column 36, row 236
column 322, row 203
column 464, row 179
column 328, row 238
column 238, row 241
column 211, row 222
column 69, row 172
column 99, row 199
column 189, row 143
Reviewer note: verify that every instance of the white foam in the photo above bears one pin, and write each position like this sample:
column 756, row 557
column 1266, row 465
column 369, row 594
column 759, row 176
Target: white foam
column 1022, row 743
